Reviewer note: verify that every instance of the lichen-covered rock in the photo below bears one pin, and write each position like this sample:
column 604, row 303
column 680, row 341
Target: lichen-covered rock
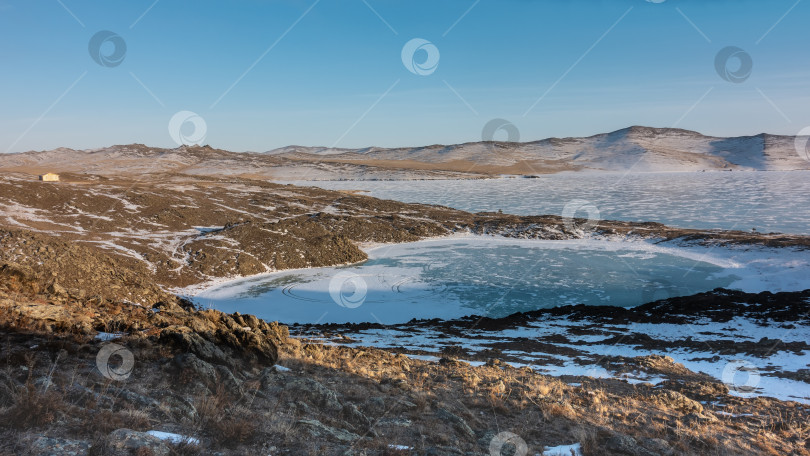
column 456, row 421
column 48, row 446
column 314, row 393
column 625, row 445
column 201, row 369
column 320, row 430
column 136, row 442
column 187, row 340
column 700, row 390
column 677, row 401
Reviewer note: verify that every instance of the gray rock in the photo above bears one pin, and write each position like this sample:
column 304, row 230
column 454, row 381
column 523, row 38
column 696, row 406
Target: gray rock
column 80, row 395
column 803, row 375
column 658, row 446
column 178, row 407
column 486, row 438
column 204, row 370
column 458, row 423
column 47, row 446
column 304, row 408
column 699, row 418
column 134, row 398
column 231, row 383
column 354, row 416
column 196, row 344
column 375, row 406
column 131, row 441
column 269, row 380
column 625, row 445
column 315, row 393
column 320, row 430
column 395, row 422
column 677, row 401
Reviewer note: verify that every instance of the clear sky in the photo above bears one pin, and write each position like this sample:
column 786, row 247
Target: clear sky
column 262, row 74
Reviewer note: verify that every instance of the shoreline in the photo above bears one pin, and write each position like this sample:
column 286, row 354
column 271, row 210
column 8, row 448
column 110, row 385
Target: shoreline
column 747, row 263
column 710, row 334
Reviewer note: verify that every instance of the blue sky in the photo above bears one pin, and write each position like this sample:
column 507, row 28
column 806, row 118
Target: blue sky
column 332, row 71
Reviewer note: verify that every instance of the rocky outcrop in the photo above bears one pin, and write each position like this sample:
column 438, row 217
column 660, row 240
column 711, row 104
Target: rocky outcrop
column 322, row 431
column 223, row 339
column 676, row 401
column 32, row 262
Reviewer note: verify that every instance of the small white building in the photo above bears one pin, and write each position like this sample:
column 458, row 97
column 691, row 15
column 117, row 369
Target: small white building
column 49, row 177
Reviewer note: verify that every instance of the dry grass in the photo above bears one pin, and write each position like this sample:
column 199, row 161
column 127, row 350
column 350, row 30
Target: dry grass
column 221, row 416
column 490, row 398
column 33, row 407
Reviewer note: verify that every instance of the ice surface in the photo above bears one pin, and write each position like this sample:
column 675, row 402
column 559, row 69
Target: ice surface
column 495, row 277
column 767, row 201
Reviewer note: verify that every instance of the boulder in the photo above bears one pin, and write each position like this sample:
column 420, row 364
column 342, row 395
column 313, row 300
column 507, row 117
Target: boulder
column 658, row 446
column 700, row 390
column 320, row 430
column 134, row 441
column 677, row 401
column 189, row 341
column 456, row 421
column 229, row 381
column 229, row 343
column 48, row 446
column 201, row 369
column 353, row 415
column 625, row 445
column 315, row 393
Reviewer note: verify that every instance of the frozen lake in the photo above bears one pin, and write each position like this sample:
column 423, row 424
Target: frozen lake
column 453, row 277
column 767, row 201
column 450, row 278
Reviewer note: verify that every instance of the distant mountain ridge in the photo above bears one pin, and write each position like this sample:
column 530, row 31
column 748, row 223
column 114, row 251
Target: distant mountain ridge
column 635, row 149
column 640, row 148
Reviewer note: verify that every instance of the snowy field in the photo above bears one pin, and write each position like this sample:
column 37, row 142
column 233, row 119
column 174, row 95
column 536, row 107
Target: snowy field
column 745, row 374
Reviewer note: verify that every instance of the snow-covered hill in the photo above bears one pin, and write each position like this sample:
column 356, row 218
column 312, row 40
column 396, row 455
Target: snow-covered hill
column 637, row 149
